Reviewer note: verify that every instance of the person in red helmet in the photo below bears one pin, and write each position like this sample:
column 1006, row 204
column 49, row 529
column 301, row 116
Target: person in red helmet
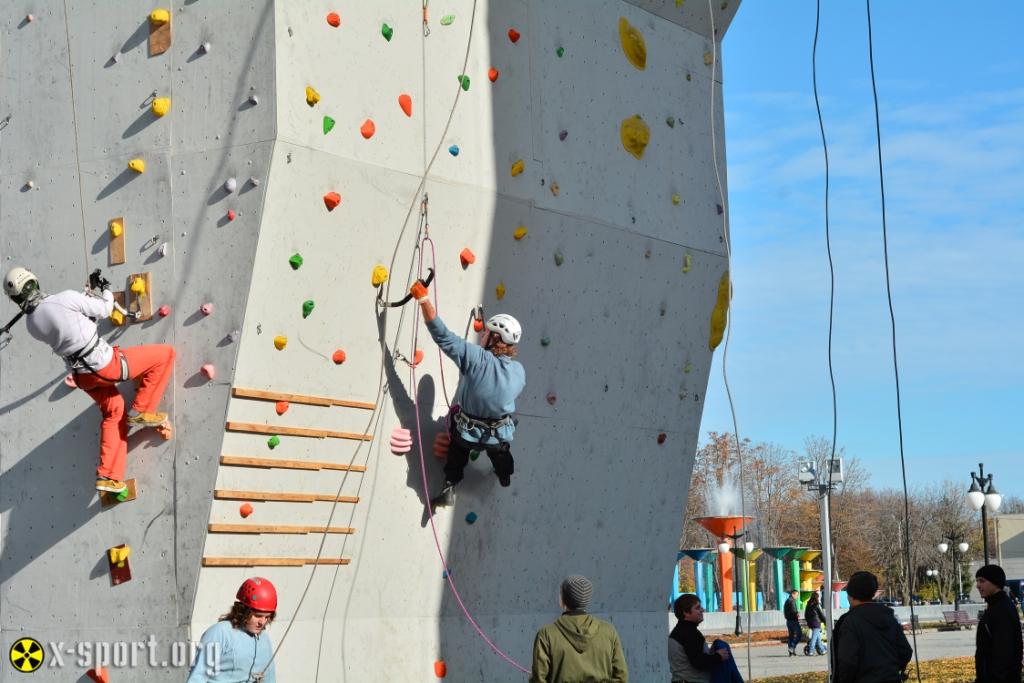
column 237, row 648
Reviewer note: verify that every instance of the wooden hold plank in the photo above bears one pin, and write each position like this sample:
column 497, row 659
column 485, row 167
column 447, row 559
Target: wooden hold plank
column 142, row 304
column 159, row 38
column 259, row 394
column 272, row 561
column 275, row 463
column 108, row 499
column 281, row 430
column 115, row 254
column 277, row 529
column 281, row 496
column 119, row 572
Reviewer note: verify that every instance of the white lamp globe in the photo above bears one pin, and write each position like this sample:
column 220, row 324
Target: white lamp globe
column 993, row 499
column 943, row 547
column 975, row 497
column 723, row 547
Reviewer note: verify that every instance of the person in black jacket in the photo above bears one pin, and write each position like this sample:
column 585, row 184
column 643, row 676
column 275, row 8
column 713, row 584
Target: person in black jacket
column 689, row 657
column 997, row 658
column 791, row 610
column 814, row 617
column 868, row 642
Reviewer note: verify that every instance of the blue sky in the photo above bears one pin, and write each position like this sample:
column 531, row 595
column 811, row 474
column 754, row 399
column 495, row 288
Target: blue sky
column 951, row 90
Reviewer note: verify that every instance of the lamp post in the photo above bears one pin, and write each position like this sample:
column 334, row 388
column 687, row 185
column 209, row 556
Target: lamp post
column 934, row 574
column 723, row 548
column 983, row 496
column 963, row 548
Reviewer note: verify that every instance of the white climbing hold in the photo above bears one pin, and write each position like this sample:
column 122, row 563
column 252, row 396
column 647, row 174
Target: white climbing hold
column 230, row 184
column 162, row 249
column 254, row 100
column 254, row 181
column 205, row 47
column 234, row 335
column 207, row 309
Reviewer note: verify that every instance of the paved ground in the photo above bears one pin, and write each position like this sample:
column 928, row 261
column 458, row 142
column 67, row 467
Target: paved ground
column 774, row 660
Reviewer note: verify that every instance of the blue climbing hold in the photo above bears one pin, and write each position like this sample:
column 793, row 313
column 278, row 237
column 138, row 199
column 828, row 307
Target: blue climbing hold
column 471, row 518
column 454, row 150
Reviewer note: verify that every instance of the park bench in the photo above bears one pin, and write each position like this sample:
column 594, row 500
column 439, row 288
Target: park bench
column 956, row 620
column 962, row 619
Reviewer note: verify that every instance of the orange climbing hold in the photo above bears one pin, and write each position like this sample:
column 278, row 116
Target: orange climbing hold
column 281, row 407
column 467, row 257
column 513, row 35
column 478, row 325
column 493, row 74
column 331, row 200
column 245, row 510
column 405, row 102
column 440, row 668
column 334, row 20
column 338, row 357
column 99, row 675
column 368, row 128
column 662, row 437
column 417, row 357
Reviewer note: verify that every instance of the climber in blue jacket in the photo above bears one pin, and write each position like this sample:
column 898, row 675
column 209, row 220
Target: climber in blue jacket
column 485, row 400
column 237, row 648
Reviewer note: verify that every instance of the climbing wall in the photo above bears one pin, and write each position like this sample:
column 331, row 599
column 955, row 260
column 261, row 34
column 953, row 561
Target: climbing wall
column 295, row 163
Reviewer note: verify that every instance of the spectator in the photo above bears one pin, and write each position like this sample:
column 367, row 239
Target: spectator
column 791, row 610
column 868, row 642
column 690, row 658
column 997, row 658
column 814, row 618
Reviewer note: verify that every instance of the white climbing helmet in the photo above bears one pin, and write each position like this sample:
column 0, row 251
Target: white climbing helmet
column 17, row 280
column 506, row 327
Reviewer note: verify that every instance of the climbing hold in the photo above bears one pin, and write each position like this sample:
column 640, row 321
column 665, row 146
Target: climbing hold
column 405, row 102
column 164, row 311
column 206, row 309
column 387, row 32
column 230, row 184
column 273, row 442
column 520, row 233
column 447, row 19
column 718, row 208
column 137, row 165
column 709, row 58
column 70, row 381
column 471, row 518
column 162, row 249
column 312, row 96
column 661, row 438
column 417, row 357
column 98, row 675
column 208, row 371
column 719, row 314
column 478, row 325
column 29, row 18
column 328, row 124
column 545, row 341
column 233, row 335
column 307, row 307
column 492, row 74
column 30, row 184
column 254, row 181
column 295, row 261
column 205, row 48
column 441, row 443
column 518, row 167
column 159, row 17
column 401, row 441
column 676, row 199
column 254, row 100
column 281, row 407
column 467, row 257
column 368, row 129
column 555, row 189
column 338, row 357
column 689, row 76
column 560, row 52
column 687, row 262
column 513, row 35
column 331, row 200
column 454, row 150
column 379, row 276
column 116, row 228
column 671, row 121
column 232, row 215
column 635, row 135
column 138, row 287
column 440, row 668
column 160, row 106
column 633, row 44
column 245, row 509
column 559, row 259
column 333, row 19
column 116, row 318
column 464, row 81
column 499, row 291
column 552, row 399
column 280, row 341
column 688, row 368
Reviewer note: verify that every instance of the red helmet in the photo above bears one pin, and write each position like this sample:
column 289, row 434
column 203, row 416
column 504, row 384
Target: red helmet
column 259, row 594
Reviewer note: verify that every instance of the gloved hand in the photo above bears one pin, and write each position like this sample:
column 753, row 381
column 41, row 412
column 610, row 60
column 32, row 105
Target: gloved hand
column 97, row 281
column 419, row 291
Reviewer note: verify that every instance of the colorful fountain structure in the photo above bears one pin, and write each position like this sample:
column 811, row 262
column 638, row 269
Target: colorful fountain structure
column 728, row 529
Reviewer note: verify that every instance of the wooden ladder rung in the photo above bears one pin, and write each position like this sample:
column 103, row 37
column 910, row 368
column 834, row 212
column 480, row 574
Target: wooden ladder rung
column 282, row 497
column 271, row 561
column 259, row 394
column 277, row 529
column 271, row 463
column 280, row 430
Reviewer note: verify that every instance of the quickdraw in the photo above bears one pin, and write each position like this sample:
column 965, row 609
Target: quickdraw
column 407, row 298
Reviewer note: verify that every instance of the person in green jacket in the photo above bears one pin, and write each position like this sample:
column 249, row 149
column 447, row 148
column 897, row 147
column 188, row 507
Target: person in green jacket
column 578, row 647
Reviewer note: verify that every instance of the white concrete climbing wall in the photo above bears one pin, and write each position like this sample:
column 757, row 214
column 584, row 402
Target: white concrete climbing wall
column 615, row 275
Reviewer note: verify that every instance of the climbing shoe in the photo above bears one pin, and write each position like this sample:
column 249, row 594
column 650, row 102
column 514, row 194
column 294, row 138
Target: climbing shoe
column 446, row 498
column 505, row 479
column 110, row 485
column 146, row 419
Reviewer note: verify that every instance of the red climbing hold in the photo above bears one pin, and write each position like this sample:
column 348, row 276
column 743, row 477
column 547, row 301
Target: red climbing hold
column 281, row 407
column 440, row 668
column 467, row 257
column 417, row 357
column 333, row 19
column 493, row 74
column 331, row 200
column 552, row 399
column 478, row 325
column 231, row 214
column 513, row 35
column 70, row 381
column 405, row 102
column 338, row 357
column 662, row 437
column 441, row 443
column 164, row 311
column 368, row 128
column 208, row 371
column 245, row 510
column 101, row 675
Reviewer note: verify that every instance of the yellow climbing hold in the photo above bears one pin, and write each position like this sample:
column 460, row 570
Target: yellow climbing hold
column 679, row 3
column 139, row 286
column 676, row 199
column 380, row 276
column 159, row 17
column 720, row 313
column 709, row 58
column 499, row 291
column 312, row 96
column 635, row 135
column 117, row 318
column 520, row 232
column 137, row 165
column 116, row 228
column 633, row 44
column 161, row 105
column 518, row 168
column 280, row 342
column 687, row 262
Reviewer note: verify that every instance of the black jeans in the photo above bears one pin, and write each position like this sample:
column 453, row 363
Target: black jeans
column 795, row 632
column 458, row 458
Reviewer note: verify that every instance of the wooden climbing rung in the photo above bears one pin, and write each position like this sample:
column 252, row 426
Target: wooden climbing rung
column 272, row 463
column 253, row 428
column 271, row 561
column 277, row 529
column 282, row 497
column 239, row 392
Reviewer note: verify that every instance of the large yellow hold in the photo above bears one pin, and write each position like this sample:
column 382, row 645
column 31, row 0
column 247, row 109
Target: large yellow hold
column 159, row 17
column 720, row 314
column 119, row 555
column 280, row 342
column 633, row 44
column 161, row 105
column 379, row 276
column 635, row 135
column 137, row 165
column 116, row 318
column 116, row 228
column 139, row 286
column 312, row 96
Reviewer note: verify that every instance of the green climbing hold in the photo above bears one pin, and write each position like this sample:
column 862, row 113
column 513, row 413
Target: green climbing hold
column 387, row 32
column 688, row 368
column 328, row 124
column 447, row 19
column 464, row 81
column 273, row 442
column 307, row 308
column 545, row 341
column 296, row 261
column 671, row 121
column 473, row 455
column 471, row 518
column 560, row 52
column 123, row 496
column 687, row 262
column 559, row 259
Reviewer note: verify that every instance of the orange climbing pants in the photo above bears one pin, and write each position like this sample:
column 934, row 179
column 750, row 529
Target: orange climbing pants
column 151, row 367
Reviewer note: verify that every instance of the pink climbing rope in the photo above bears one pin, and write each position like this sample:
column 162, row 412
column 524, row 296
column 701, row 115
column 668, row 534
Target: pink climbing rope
column 437, row 301
column 423, row 473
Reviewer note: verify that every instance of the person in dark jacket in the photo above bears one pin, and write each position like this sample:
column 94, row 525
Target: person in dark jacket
column 868, row 642
column 791, row 610
column 690, row 658
column 814, row 618
column 997, row 658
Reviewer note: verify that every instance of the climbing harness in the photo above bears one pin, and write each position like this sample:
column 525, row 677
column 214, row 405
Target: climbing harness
column 466, row 422
column 407, row 298
column 78, row 359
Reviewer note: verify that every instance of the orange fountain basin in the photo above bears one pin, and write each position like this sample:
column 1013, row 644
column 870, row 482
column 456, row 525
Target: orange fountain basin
column 723, row 527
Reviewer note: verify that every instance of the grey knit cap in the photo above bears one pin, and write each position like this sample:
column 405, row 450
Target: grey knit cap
column 576, row 592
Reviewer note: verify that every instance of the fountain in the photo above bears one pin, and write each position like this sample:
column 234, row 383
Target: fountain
column 704, row 583
column 727, row 528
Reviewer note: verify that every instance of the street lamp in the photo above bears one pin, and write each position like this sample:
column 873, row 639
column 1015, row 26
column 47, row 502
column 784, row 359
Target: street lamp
column 963, row 548
column 724, row 548
column 983, row 496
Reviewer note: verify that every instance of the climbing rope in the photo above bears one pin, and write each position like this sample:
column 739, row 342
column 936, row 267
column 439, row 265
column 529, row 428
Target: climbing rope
column 78, row 156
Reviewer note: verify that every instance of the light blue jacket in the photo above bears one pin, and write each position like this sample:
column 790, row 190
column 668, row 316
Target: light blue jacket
column 235, row 655
column 488, row 386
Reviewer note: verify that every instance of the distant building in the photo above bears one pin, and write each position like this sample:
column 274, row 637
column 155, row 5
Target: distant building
column 1007, row 551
